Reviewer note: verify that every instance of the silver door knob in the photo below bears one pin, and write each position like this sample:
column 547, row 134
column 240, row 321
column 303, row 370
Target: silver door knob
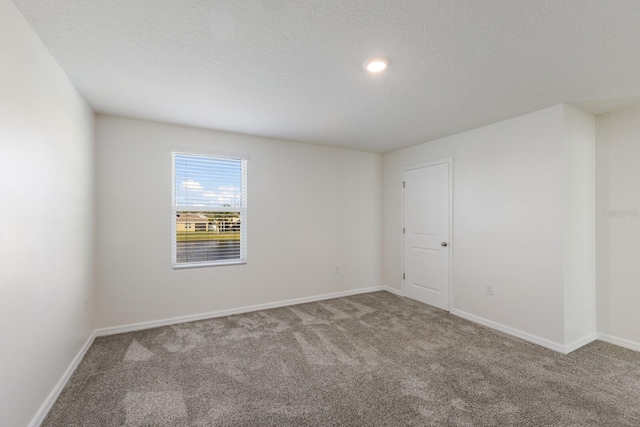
column 443, row 244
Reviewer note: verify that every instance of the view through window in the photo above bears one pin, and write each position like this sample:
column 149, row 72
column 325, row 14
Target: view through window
column 209, row 210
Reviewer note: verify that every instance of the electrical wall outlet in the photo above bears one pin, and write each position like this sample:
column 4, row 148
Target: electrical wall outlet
column 489, row 290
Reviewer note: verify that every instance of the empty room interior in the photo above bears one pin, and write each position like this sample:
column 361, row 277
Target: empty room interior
column 279, row 212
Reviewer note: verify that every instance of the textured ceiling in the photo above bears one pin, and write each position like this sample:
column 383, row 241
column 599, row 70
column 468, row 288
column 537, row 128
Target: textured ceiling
column 292, row 69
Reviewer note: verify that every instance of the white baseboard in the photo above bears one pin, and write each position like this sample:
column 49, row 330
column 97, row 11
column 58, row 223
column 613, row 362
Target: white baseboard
column 392, row 290
column 511, row 331
column 622, row 342
column 53, row 396
column 580, row 343
column 221, row 313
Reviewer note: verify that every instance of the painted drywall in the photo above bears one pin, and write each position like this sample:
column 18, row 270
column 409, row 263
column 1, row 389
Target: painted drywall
column 618, row 226
column 508, row 221
column 579, row 225
column 310, row 209
column 46, row 220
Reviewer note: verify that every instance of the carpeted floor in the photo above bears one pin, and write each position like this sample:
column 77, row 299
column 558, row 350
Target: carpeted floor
column 367, row 360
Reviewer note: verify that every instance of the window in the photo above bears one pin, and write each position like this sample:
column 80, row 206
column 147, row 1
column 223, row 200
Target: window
column 209, row 210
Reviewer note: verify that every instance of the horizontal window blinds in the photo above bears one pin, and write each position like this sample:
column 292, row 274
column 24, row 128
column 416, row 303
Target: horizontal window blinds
column 209, row 210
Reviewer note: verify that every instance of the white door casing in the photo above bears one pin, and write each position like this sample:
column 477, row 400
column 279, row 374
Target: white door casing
column 427, row 232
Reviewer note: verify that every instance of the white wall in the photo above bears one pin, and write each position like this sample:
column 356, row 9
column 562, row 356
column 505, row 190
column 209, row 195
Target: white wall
column 579, row 226
column 618, row 235
column 310, row 209
column 46, row 220
column 509, row 192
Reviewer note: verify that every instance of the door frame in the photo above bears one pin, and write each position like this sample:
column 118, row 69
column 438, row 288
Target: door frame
column 448, row 161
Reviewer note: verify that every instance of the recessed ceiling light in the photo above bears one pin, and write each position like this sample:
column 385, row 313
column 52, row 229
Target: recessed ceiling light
column 376, row 65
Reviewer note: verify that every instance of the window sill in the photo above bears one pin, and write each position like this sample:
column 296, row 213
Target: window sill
column 208, row 264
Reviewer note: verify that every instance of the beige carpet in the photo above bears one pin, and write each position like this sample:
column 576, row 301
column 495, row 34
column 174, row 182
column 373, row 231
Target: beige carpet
column 367, row 360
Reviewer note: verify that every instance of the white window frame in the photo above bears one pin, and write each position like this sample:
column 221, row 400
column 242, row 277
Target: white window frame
column 178, row 208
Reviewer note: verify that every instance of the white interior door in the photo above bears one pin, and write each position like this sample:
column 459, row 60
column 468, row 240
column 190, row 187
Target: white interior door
column 426, row 234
